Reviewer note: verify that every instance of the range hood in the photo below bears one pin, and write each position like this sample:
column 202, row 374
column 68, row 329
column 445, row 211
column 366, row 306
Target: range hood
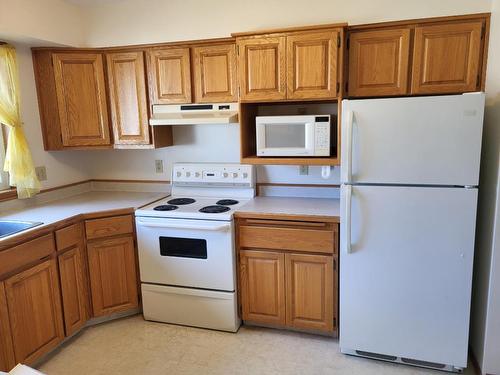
column 193, row 114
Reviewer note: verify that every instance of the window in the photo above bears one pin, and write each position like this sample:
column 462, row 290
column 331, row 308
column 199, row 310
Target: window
column 4, row 177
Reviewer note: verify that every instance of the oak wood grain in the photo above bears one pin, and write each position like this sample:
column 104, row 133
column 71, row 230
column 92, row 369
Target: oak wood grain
column 110, row 226
column 7, row 360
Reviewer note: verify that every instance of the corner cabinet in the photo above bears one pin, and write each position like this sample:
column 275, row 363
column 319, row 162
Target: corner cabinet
column 433, row 56
column 299, row 65
column 288, row 272
column 81, row 99
column 7, row 359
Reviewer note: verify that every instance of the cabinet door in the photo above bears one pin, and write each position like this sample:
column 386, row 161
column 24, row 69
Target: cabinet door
column 74, row 289
column 446, row 58
column 113, row 279
column 169, row 75
column 312, row 65
column 7, row 360
column 128, row 100
column 215, row 74
column 378, row 62
column 262, row 68
column 262, row 276
column 309, row 291
column 34, row 306
column 81, row 99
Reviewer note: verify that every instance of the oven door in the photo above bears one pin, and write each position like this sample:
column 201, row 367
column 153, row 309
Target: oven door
column 287, row 138
column 186, row 253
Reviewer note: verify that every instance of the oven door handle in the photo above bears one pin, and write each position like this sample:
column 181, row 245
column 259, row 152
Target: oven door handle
column 185, row 225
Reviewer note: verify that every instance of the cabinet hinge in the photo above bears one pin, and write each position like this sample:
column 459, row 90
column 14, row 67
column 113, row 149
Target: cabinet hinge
column 477, row 80
column 483, row 31
column 338, row 87
column 346, row 87
column 238, row 50
column 334, row 265
column 348, row 42
column 338, row 41
column 335, row 322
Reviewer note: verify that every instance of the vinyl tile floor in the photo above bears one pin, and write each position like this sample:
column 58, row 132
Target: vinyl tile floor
column 134, row 346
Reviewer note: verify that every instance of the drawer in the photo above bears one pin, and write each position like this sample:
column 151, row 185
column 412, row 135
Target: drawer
column 316, row 237
column 29, row 252
column 109, row 226
column 68, row 236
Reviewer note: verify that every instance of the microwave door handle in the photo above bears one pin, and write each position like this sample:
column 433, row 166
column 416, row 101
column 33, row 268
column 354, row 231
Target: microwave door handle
column 310, row 141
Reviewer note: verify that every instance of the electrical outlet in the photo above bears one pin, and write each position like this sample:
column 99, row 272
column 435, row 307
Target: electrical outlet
column 304, row 170
column 159, row 166
column 41, row 173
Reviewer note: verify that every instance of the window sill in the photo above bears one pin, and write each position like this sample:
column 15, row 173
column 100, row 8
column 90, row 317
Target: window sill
column 8, row 194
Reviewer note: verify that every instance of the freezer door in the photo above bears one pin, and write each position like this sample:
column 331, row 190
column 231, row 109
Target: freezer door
column 405, row 284
column 433, row 140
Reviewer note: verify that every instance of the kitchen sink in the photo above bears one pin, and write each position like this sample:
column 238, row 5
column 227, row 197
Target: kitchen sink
column 8, row 227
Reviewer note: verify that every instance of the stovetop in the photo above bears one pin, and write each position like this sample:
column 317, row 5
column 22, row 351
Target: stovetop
column 203, row 208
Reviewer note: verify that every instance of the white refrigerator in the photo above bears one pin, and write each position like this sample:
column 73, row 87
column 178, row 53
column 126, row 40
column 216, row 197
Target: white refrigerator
column 409, row 174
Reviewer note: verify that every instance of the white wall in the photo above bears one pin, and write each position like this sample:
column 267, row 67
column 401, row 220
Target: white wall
column 136, row 21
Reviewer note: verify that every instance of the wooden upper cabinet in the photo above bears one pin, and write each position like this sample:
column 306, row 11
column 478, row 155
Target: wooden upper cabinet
column 262, row 68
column 379, row 62
column 262, row 278
column 113, row 279
column 309, row 291
column 169, row 75
column 128, row 99
column 446, row 58
column 81, row 99
column 312, row 65
column 34, row 307
column 7, row 360
column 215, row 78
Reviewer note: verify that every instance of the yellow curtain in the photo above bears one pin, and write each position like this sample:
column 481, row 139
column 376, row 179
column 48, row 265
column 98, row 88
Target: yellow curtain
column 18, row 161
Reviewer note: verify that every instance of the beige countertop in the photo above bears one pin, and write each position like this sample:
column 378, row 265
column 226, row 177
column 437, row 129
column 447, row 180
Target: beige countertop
column 81, row 204
column 291, row 206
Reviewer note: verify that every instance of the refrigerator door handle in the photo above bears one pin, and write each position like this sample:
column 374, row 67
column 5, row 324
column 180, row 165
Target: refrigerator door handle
column 347, row 218
column 347, row 171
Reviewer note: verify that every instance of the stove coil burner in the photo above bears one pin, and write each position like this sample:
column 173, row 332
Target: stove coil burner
column 214, row 209
column 181, row 201
column 165, row 207
column 227, row 202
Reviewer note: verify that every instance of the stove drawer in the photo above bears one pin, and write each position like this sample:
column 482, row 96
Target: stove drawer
column 316, row 237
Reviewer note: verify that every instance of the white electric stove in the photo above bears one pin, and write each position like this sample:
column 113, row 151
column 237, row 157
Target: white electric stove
column 186, row 246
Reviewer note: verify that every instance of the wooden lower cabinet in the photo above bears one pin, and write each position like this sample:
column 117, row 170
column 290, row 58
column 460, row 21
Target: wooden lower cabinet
column 34, row 308
column 262, row 277
column 113, row 275
column 73, row 289
column 7, row 360
column 309, row 291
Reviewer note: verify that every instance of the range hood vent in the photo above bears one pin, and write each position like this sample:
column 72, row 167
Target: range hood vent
column 193, row 114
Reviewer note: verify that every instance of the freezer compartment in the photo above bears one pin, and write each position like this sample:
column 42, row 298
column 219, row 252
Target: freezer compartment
column 433, row 140
column 406, row 271
column 191, row 307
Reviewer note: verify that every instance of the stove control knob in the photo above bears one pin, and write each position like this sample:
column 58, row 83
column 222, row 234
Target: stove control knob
column 178, row 174
column 225, row 174
column 235, row 175
column 197, row 174
column 188, row 174
column 245, row 175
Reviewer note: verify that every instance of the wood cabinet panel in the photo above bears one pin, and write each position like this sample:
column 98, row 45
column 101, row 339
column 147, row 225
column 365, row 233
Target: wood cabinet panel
column 262, row 279
column 81, row 98
column 22, row 255
column 262, row 68
column 34, row 307
column 69, row 236
column 128, row 99
column 113, row 279
column 109, row 226
column 215, row 78
column 288, row 235
column 73, row 289
column 446, row 58
column 7, row 360
column 312, row 65
column 379, row 62
column 309, row 291
column 169, row 75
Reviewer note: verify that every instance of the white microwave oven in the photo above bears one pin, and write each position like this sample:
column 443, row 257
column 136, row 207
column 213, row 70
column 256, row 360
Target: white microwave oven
column 307, row 135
